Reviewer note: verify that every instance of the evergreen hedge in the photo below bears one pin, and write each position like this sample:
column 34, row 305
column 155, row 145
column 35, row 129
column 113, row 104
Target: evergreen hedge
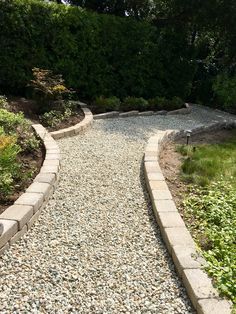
column 96, row 54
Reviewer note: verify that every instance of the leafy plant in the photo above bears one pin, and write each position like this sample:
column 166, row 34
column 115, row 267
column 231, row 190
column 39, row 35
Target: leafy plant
column 214, row 212
column 224, row 88
column 9, row 167
column 48, row 89
column 3, row 103
column 134, row 103
column 107, row 104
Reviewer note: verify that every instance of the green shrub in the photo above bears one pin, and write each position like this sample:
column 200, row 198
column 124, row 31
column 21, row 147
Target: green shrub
column 48, row 90
column 224, row 88
column 3, row 103
column 78, row 45
column 162, row 103
column 15, row 124
column 9, row 167
column 134, row 103
column 107, row 104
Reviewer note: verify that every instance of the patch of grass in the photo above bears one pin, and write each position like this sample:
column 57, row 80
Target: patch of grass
column 206, row 163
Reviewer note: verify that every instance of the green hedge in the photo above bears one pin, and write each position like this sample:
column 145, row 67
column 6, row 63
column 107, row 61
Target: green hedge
column 96, row 54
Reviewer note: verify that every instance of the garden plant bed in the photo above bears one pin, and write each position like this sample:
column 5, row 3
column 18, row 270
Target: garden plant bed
column 208, row 209
column 28, row 107
column 31, row 163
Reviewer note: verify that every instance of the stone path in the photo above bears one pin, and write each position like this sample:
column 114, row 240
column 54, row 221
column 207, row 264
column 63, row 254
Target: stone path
column 96, row 247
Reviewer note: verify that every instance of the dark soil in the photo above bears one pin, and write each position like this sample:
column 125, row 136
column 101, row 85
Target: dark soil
column 171, row 161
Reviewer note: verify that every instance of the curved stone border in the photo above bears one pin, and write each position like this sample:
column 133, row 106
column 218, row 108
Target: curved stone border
column 20, row 217
column 176, row 236
column 78, row 128
column 135, row 113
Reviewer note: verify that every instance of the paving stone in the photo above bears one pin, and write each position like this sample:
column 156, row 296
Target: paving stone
column 129, row 114
column 214, row 306
column 165, row 206
column 50, row 156
column 106, row 115
column 1, row 229
column 186, row 258
column 152, row 166
column 51, row 163
column 35, row 217
column 161, row 195
column 43, row 188
column 146, row 113
column 10, row 228
column 155, row 176
column 198, row 285
column 18, row 235
column 158, row 185
column 57, row 134
column 49, row 169
column 46, row 178
column 170, row 219
column 19, row 213
column 177, row 236
column 32, row 199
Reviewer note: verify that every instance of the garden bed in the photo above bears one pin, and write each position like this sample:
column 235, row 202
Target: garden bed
column 29, row 107
column 204, row 195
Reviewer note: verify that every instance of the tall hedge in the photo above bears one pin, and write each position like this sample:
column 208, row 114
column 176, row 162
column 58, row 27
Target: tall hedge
column 97, row 54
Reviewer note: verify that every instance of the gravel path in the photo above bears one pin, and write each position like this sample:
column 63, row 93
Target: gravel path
column 96, row 247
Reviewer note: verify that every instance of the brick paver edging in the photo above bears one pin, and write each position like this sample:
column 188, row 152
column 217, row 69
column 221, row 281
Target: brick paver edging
column 176, row 236
column 135, row 113
column 20, row 217
column 78, row 128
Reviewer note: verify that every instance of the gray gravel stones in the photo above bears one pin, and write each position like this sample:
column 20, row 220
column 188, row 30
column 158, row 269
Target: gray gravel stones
column 96, row 247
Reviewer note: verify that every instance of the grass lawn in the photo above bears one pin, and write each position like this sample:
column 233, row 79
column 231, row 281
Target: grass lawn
column 210, row 208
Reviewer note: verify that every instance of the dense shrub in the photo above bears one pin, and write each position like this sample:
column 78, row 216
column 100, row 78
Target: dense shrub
column 96, row 54
column 134, row 103
column 163, row 103
column 107, row 104
column 224, row 88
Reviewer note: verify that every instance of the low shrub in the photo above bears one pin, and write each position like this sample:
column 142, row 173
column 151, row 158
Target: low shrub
column 162, row 103
column 103, row 104
column 3, row 103
column 134, row 103
column 9, row 167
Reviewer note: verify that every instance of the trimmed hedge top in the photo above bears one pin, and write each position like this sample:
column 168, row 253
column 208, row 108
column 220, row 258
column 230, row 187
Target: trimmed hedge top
column 96, row 54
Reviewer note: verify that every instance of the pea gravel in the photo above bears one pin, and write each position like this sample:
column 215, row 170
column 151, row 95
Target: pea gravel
column 96, row 247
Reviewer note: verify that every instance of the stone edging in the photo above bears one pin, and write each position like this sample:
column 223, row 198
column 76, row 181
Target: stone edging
column 176, row 236
column 20, row 217
column 17, row 219
column 135, row 113
column 78, row 128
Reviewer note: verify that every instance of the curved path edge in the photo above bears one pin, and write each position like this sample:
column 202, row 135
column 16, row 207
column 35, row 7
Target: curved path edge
column 176, row 236
column 17, row 219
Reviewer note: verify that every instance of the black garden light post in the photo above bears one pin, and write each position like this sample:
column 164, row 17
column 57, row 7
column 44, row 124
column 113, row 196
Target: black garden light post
column 188, row 133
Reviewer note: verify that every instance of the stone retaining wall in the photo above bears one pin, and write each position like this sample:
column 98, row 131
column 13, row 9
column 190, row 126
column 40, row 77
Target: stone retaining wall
column 19, row 218
column 176, row 236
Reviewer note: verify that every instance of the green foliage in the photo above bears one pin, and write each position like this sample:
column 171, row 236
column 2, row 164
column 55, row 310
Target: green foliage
column 214, row 210
column 107, row 104
column 224, row 88
column 132, row 58
column 3, row 103
column 9, row 167
column 134, row 103
column 48, row 89
column 163, row 103
column 17, row 125
column 205, row 163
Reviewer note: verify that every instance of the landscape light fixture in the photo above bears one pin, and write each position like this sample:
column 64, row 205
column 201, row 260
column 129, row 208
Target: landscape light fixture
column 188, row 133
